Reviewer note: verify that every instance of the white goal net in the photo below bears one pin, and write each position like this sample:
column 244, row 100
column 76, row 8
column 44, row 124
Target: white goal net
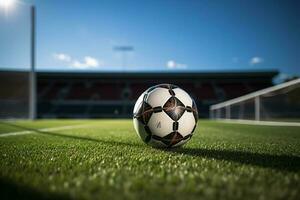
column 277, row 103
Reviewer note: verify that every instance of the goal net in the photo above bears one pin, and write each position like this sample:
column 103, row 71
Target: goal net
column 277, row 103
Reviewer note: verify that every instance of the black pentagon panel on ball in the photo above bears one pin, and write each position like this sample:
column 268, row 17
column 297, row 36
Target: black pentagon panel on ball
column 148, row 131
column 157, row 109
column 174, row 108
column 156, row 137
column 187, row 137
column 172, row 93
column 172, row 138
column 175, row 126
column 144, row 112
column 189, row 109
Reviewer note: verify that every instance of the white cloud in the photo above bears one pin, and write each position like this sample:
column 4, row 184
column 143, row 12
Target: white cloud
column 87, row 63
column 171, row 64
column 62, row 57
column 77, row 64
column 256, row 60
column 90, row 61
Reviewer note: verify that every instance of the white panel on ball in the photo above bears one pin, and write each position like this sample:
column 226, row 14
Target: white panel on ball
column 183, row 97
column 138, row 102
column 186, row 124
column 158, row 97
column 160, row 124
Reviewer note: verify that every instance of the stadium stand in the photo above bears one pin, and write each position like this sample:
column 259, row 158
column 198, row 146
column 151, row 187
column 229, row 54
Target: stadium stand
column 94, row 95
column 14, row 94
column 113, row 95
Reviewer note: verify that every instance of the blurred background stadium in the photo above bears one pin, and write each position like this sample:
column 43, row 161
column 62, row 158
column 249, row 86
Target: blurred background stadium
column 40, row 79
column 96, row 95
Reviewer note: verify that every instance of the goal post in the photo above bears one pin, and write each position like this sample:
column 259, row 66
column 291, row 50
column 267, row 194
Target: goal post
column 277, row 103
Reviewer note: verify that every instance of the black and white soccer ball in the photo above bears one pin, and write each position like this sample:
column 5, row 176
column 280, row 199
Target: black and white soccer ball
column 165, row 116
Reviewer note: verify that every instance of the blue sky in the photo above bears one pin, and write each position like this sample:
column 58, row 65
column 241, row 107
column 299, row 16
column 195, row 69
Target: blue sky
column 166, row 35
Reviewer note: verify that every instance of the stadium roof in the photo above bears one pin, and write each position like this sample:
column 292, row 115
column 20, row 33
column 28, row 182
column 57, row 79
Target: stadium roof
column 165, row 75
column 269, row 74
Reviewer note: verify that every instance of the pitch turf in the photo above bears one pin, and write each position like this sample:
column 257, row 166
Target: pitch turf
column 106, row 160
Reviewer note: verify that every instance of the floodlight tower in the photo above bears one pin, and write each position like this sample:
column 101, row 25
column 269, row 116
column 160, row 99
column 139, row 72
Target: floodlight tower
column 32, row 76
column 124, row 50
column 6, row 4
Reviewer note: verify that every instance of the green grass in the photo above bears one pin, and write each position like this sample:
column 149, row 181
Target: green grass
column 106, row 160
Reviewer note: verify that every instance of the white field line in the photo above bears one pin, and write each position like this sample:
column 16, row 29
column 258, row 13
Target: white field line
column 44, row 129
column 263, row 123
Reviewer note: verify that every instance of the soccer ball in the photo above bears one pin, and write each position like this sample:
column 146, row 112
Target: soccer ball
column 165, row 116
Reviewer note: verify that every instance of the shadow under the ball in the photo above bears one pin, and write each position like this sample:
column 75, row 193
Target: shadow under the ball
column 278, row 162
